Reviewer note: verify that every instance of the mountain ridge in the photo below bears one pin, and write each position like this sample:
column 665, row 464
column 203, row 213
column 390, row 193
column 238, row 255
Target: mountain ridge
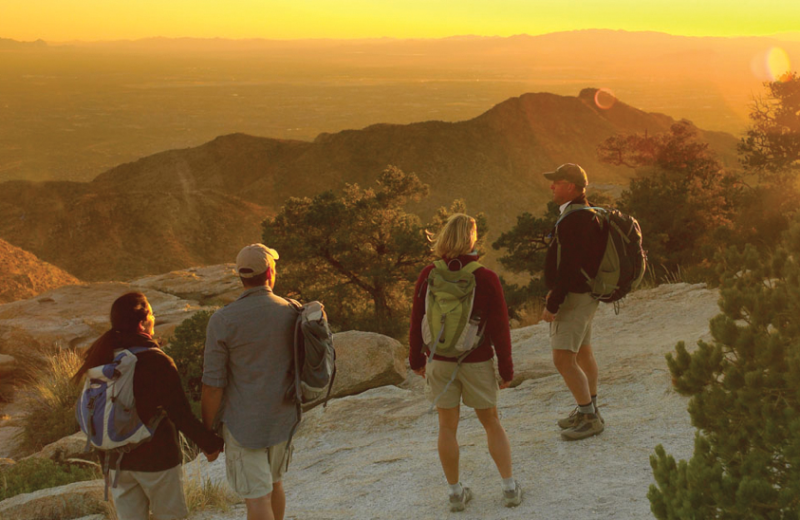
column 198, row 206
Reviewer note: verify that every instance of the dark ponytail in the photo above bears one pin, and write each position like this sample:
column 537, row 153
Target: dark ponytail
column 127, row 312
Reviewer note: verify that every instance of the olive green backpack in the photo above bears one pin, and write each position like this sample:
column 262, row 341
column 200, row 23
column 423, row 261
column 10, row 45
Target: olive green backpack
column 448, row 327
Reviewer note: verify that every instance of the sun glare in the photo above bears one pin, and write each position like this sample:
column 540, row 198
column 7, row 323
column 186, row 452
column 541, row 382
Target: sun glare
column 778, row 63
column 771, row 65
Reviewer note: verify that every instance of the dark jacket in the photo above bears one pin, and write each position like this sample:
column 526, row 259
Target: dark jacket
column 489, row 302
column 582, row 242
column 157, row 387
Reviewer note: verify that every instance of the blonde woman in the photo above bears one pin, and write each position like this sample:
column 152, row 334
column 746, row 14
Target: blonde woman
column 472, row 380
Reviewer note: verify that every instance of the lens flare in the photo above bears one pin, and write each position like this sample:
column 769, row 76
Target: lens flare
column 771, row 65
column 778, row 63
column 604, row 98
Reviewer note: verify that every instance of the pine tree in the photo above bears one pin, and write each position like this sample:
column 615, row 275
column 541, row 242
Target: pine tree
column 681, row 195
column 771, row 147
column 359, row 252
column 745, row 388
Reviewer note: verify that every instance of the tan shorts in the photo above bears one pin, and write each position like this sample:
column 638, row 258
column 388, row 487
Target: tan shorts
column 475, row 383
column 250, row 472
column 160, row 492
column 572, row 327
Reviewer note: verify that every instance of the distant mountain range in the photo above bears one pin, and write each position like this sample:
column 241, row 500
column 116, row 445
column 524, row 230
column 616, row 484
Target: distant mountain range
column 9, row 44
column 198, row 206
column 73, row 110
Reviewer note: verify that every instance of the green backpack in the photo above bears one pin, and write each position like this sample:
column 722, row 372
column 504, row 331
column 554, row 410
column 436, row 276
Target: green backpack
column 447, row 329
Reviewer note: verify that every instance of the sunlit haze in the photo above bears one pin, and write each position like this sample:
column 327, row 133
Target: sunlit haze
column 55, row 20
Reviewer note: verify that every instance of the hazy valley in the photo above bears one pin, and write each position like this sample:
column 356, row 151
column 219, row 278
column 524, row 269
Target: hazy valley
column 71, row 111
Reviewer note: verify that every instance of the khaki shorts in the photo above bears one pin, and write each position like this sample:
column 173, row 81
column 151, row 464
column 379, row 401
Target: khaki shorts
column 160, row 492
column 250, row 472
column 475, row 383
column 572, row 327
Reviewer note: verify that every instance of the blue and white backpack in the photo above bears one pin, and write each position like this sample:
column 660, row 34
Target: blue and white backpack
column 106, row 410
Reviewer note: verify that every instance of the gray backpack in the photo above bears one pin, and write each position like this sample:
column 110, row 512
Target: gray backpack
column 314, row 360
column 314, row 356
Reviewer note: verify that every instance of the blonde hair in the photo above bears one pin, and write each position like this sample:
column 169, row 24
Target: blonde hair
column 455, row 238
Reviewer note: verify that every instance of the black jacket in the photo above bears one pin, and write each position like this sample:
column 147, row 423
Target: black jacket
column 582, row 242
column 156, row 388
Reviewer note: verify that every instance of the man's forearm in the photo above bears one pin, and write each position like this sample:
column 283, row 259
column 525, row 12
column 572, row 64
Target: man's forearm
column 210, row 402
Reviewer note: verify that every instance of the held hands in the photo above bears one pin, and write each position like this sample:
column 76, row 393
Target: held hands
column 211, row 457
column 504, row 384
column 547, row 315
column 420, row 371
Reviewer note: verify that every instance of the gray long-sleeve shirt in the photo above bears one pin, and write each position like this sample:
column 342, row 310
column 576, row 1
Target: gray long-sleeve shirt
column 249, row 353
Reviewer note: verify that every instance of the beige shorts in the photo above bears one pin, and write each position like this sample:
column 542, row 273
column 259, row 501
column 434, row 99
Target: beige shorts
column 572, row 327
column 475, row 383
column 250, row 472
column 160, row 492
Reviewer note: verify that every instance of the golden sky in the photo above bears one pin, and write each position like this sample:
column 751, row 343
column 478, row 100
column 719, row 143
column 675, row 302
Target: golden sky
column 61, row 20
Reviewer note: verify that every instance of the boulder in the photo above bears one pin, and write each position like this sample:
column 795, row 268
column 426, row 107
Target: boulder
column 213, row 285
column 67, row 448
column 74, row 500
column 76, row 315
column 367, row 360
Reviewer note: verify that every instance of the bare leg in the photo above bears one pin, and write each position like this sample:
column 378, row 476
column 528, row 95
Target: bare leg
column 499, row 447
column 576, row 380
column 259, row 508
column 278, row 500
column 589, row 366
column 448, row 444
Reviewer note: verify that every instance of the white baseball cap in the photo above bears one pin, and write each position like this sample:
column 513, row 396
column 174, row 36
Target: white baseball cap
column 252, row 260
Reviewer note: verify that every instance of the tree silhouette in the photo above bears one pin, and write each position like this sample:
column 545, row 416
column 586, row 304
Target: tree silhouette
column 681, row 196
column 771, row 147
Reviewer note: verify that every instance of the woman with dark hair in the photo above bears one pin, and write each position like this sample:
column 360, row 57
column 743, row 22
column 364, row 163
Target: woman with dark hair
column 150, row 477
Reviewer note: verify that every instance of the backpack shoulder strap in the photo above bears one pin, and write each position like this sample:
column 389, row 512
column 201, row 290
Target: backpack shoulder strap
column 472, row 267
column 296, row 305
column 137, row 350
column 572, row 208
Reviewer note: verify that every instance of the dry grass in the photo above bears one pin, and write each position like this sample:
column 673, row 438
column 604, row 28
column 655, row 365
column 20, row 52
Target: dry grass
column 49, row 398
column 202, row 494
column 529, row 314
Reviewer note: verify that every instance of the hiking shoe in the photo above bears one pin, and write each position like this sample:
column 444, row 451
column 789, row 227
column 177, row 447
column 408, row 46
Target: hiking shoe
column 587, row 424
column 572, row 419
column 459, row 502
column 513, row 498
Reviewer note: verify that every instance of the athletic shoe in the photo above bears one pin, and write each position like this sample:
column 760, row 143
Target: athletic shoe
column 459, row 502
column 588, row 424
column 572, row 419
column 514, row 497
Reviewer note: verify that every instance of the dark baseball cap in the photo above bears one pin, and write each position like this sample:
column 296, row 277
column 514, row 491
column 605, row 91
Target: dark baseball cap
column 571, row 173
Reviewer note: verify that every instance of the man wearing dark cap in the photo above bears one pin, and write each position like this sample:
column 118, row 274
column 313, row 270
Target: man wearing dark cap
column 572, row 259
column 246, row 373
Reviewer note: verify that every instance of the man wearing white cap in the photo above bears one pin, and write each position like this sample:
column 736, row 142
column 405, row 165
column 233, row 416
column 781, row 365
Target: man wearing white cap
column 246, row 374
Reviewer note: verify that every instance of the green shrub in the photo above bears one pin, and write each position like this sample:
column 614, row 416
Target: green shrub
column 186, row 349
column 34, row 474
column 49, row 401
column 745, row 397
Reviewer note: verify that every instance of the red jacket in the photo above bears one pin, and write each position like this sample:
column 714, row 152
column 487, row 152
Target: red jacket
column 489, row 302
